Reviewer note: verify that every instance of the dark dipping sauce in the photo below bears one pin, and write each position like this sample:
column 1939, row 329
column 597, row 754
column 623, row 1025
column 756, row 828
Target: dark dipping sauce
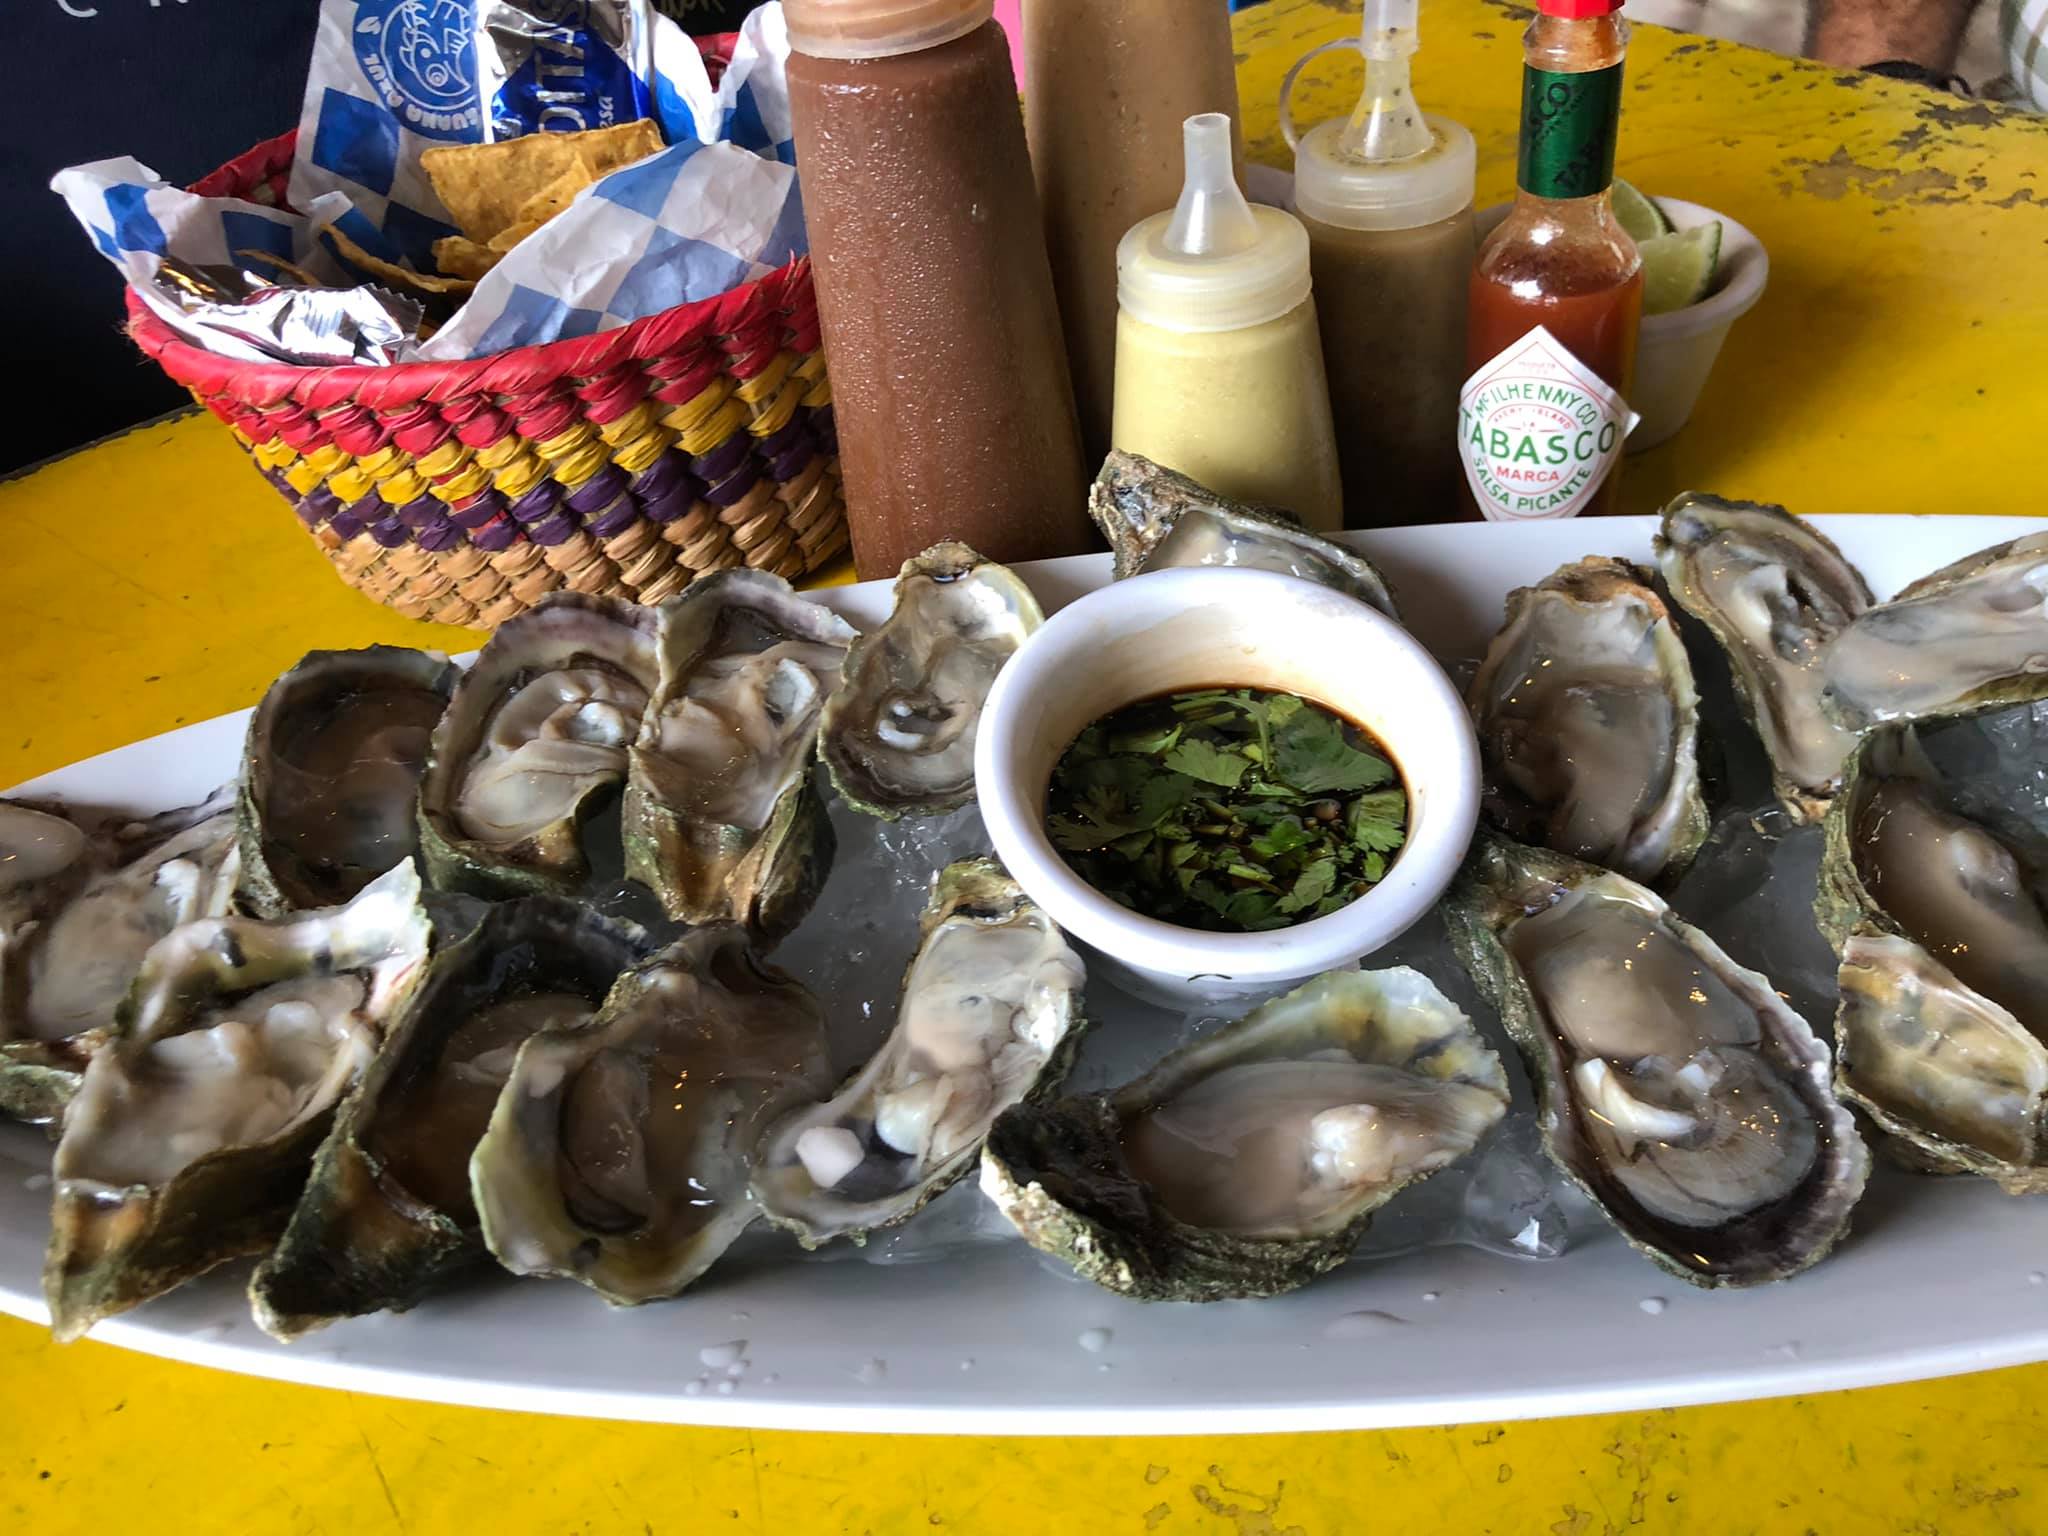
column 1232, row 810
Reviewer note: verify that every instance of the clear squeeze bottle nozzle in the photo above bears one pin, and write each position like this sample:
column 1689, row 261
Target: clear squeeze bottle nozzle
column 1386, row 124
column 1212, row 218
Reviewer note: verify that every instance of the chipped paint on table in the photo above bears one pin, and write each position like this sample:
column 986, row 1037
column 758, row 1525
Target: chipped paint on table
column 156, row 579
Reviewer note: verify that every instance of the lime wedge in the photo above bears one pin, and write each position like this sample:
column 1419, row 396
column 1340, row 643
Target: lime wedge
column 1643, row 219
column 1678, row 268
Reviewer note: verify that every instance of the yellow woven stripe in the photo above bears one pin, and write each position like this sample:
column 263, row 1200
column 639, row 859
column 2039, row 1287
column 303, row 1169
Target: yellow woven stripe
column 642, row 451
column 579, row 466
column 407, row 484
column 707, row 435
column 774, row 416
column 328, row 459
column 382, row 462
column 819, row 394
column 636, row 422
column 466, row 481
column 699, row 407
column 275, row 454
column 351, row 484
column 302, row 477
column 444, row 460
column 521, row 476
column 765, row 383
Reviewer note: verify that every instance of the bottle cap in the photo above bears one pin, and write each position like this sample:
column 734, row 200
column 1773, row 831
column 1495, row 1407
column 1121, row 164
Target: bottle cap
column 1578, row 10
column 1215, row 263
column 1391, row 165
column 874, row 29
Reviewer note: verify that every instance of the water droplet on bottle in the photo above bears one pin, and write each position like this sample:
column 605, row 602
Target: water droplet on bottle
column 1095, row 1340
column 1364, row 1325
column 1654, row 1305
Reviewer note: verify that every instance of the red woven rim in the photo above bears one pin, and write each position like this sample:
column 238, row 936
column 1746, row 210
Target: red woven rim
column 520, row 371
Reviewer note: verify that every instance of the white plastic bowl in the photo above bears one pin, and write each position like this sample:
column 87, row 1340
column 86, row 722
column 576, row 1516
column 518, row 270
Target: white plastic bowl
column 1675, row 353
column 1204, row 627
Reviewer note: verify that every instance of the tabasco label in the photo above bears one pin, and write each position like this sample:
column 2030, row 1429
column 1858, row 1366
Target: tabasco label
column 1538, row 431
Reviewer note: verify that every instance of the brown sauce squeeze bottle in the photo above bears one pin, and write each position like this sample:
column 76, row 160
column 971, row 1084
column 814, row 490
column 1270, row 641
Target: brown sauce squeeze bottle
column 1107, row 85
column 950, row 391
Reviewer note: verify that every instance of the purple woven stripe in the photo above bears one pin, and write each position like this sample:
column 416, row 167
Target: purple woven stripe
column 319, row 505
column 665, row 474
column 789, row 465
column 726, row 492
column 828, row 439
column 436, row 537
column 721, row 461
column 309, row 514
column 822, row 419
column 615, row 519
column 550, row 531
column 598, row 492
column 794, row 431
column 478, row 510
column 536, row 504
column 345, row 523
column 421, row 512
column 666, row 509
column 390, row 532
column 501, row 533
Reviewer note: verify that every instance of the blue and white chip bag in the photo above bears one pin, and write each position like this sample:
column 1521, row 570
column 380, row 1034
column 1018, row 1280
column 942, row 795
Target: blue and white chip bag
column 391, row 78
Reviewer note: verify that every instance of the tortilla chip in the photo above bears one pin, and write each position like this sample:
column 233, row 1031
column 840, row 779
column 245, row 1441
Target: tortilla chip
column 460, row 256
column 487, row 187
column 404, row 279
column 505, row 239
column 555, row 196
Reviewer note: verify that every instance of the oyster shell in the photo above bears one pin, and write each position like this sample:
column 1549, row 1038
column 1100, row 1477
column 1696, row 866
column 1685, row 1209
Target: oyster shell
column 619, row 1151
column 1675, row 1087
column 721, row 819
column 537, row 735
column 1154, row 519
column 85, row 905
column 1774, row 594
column 990, row 1016
column 898, row 732
column 1931, row 893
column 387, row 1215
column 1251, row 1162
column 191, row 1132
column 1970, row 635
column 330, row 773
column 1589, row 723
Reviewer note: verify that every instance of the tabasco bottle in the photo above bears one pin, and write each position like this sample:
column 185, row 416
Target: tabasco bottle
column 1557, row 289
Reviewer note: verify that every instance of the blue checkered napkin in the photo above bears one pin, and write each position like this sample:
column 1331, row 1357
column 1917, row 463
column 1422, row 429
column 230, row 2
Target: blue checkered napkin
column 686, row 224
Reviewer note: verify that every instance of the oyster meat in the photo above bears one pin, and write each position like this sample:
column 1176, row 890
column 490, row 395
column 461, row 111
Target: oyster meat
column 619, row 1151
column 1589, row 723
column 387, row 1215
column 1154, row 519
column 190, row 1135
column 1774, row 594
column 1675, row 1087
column 990, row 1016
column 1972, row 634
column 898, row 732
column 1251, row 1162
column 84, row 905
column 330, row 774
column 721, row 819
column 1931, row 892
column 534, row 741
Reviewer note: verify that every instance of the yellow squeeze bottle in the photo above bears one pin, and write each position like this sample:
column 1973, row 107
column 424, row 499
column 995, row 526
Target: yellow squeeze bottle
column 1219, row 365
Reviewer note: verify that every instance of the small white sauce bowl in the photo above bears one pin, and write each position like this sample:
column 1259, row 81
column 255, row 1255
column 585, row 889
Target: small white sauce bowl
column 1204, row 627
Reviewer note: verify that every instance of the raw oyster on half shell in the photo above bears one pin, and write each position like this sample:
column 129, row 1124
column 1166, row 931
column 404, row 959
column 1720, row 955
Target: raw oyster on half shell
column 1589, row 723
column 721, row 819
column 1676, row 1088
column 81, row 902
column 990, row 1016
column 898, row 732
column 1252, row 1161
column 619, row 1151
column 188, row 1141
column 1931, row 891
column 1774, row 593
column 1970, row 635
column 535, row 739
column 387, row 1215
column 330, row 774
column 1155, row 519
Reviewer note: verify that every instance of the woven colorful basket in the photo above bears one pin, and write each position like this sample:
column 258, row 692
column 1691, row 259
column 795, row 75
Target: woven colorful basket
column 627, row 463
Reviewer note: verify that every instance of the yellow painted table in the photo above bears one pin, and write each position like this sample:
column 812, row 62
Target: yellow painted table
column 1894, row 365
